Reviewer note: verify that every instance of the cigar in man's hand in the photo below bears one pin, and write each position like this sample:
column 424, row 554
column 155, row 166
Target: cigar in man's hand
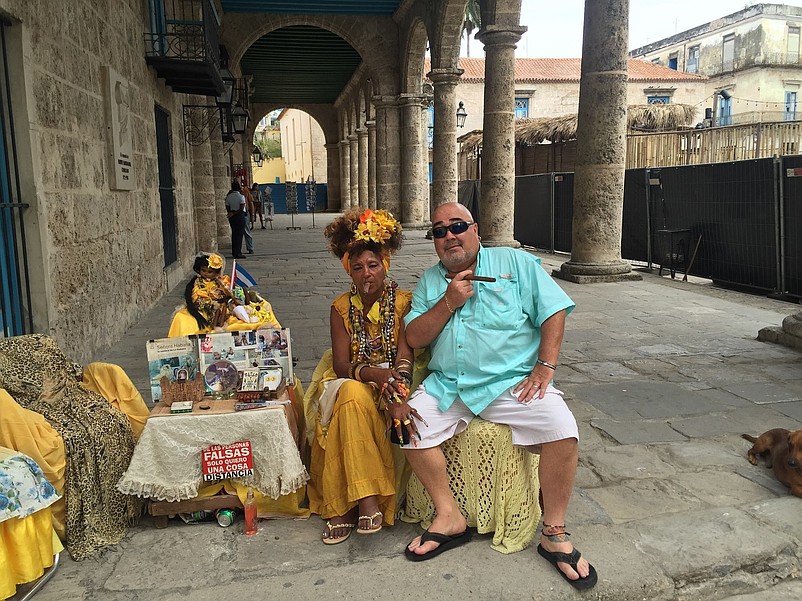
column 474, row 278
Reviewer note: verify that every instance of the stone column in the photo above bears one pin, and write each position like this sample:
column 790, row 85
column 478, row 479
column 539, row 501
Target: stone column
column 444, row 177
column 371, row 125
column 333, row 167
column 203, row 197
column 414, row 189
column 601, row 148
column 222, row 184
column 362, row 149
column 345, row 175
column 426, row 158
column 497, row 206
column 388, row 154
column 353, row 149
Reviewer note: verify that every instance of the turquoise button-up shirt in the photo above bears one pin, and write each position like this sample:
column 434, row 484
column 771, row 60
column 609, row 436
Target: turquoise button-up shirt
column 490, row 343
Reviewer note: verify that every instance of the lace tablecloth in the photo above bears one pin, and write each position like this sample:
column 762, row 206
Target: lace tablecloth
column 166, row 465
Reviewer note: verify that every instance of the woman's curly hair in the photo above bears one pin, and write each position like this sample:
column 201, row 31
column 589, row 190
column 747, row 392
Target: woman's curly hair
column 341, row 235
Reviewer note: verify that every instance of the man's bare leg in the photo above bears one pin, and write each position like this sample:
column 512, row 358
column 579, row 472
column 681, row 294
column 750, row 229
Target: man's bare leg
column 558, row 461
column 429, row 466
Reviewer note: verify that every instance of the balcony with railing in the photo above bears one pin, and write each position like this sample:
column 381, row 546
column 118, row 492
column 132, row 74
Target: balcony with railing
column 182, row 45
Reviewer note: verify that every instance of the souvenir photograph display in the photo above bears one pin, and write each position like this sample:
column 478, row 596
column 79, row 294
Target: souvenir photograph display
column 237, row 347
column 173, row 358
column 273, row 347
column 221, row 377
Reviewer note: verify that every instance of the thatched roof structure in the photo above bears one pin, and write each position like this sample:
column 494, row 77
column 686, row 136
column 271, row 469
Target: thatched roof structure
column 641, row 117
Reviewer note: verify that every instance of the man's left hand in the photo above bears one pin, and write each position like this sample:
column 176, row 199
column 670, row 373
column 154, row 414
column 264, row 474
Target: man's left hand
column 534, row 385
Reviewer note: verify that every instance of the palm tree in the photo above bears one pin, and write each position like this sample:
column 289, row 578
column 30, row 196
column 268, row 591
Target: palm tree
column 473, row 20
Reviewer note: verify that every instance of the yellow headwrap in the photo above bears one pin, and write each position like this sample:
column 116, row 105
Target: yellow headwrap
column 385, row 256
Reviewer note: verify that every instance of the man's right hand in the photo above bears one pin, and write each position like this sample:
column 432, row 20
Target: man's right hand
column 459, row 289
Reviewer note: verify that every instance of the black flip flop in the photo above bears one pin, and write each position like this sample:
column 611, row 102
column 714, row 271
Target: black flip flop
column 446, row 543
column 572, row 559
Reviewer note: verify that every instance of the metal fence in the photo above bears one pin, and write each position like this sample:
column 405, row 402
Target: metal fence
column 745, row 216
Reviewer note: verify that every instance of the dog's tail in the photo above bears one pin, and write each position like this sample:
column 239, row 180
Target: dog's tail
column 751, row 439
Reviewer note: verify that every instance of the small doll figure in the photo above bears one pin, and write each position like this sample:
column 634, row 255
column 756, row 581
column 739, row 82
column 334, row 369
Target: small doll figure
column 209, row 296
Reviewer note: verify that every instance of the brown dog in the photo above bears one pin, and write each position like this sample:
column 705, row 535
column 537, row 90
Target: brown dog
column 782, row 451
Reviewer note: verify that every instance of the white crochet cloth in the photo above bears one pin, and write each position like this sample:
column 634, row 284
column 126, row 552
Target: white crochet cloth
column 166, row 465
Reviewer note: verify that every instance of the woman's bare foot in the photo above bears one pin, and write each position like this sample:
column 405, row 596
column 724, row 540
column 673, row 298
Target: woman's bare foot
column 370, row 517
column 339, row 528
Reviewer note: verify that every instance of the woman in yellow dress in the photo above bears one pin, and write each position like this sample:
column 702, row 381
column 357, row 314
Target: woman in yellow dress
column 352, row 467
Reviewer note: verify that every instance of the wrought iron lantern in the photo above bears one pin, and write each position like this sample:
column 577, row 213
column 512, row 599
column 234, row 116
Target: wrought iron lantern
column 256, row 156
column 227, row 96
column 461, row 114
column 239, row 119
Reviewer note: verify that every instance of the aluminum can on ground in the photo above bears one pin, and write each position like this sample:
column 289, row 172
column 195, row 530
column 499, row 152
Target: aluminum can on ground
column 225, row 517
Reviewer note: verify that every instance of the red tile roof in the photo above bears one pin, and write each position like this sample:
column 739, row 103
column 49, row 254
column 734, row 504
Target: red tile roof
column 538, row 70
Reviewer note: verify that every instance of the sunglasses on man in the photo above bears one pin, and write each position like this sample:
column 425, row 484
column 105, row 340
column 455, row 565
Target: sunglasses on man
column 456, row 228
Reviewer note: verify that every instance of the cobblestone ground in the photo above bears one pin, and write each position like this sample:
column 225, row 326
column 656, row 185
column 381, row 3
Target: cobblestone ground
column 663, row 377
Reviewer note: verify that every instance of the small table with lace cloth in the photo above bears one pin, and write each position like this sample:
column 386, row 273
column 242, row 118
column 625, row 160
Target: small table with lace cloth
column 166, row 465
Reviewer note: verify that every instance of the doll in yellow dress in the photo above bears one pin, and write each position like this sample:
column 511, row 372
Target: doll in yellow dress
column 209, row 295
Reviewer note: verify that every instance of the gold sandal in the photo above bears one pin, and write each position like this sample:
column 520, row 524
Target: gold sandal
column 371, row 519
column 328, row 539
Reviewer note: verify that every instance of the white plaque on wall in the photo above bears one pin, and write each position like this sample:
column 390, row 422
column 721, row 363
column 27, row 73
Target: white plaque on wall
column 118, row 125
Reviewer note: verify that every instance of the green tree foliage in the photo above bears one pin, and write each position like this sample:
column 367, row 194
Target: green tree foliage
column 472, row 20
column 270, row 147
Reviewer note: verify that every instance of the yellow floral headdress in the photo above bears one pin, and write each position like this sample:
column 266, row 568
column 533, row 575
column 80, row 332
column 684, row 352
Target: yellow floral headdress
column 215, row 261
column 376, row 226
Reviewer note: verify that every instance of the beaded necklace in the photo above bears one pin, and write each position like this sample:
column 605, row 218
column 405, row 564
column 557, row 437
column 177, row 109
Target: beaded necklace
column 361, row 348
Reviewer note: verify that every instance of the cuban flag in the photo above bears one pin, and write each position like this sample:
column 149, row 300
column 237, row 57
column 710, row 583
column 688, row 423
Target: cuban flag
column 240, row 277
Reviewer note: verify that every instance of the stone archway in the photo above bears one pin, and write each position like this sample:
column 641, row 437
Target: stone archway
column 376, row 40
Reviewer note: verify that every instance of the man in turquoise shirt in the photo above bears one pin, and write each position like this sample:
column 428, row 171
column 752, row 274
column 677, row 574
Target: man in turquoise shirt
column 494, row 347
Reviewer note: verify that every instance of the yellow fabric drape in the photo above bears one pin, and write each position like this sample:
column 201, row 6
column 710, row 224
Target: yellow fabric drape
column 183, row 324
column 495, row 485
column 113, row 384
column 27, row 549
column 30, row 433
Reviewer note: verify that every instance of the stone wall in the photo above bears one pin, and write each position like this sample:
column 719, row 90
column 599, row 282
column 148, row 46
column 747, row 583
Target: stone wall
column 98, row 256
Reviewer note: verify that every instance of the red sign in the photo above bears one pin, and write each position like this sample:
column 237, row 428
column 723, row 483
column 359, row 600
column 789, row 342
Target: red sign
column 220, row 462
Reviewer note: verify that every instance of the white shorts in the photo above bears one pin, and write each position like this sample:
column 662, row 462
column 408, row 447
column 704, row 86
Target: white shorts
column 539, row 421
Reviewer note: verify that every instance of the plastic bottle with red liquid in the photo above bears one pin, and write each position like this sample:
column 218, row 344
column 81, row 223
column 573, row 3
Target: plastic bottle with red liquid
column 251, row 521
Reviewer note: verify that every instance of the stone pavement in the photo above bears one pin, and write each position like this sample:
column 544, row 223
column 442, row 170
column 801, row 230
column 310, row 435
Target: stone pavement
column 663, row 377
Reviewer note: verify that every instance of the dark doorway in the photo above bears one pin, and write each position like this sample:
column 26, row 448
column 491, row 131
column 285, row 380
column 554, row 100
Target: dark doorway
column 166, row 196
column 15, row 293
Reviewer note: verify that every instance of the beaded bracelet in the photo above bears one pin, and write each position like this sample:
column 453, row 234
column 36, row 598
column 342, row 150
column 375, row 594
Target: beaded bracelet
column 450, row 310
column 549, row 365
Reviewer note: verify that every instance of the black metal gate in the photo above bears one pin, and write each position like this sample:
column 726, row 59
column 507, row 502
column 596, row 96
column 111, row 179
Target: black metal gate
column 15, row 292
column 166, row 193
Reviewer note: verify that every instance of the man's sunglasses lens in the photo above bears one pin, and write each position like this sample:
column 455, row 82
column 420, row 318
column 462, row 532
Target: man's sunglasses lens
column 458, row 227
